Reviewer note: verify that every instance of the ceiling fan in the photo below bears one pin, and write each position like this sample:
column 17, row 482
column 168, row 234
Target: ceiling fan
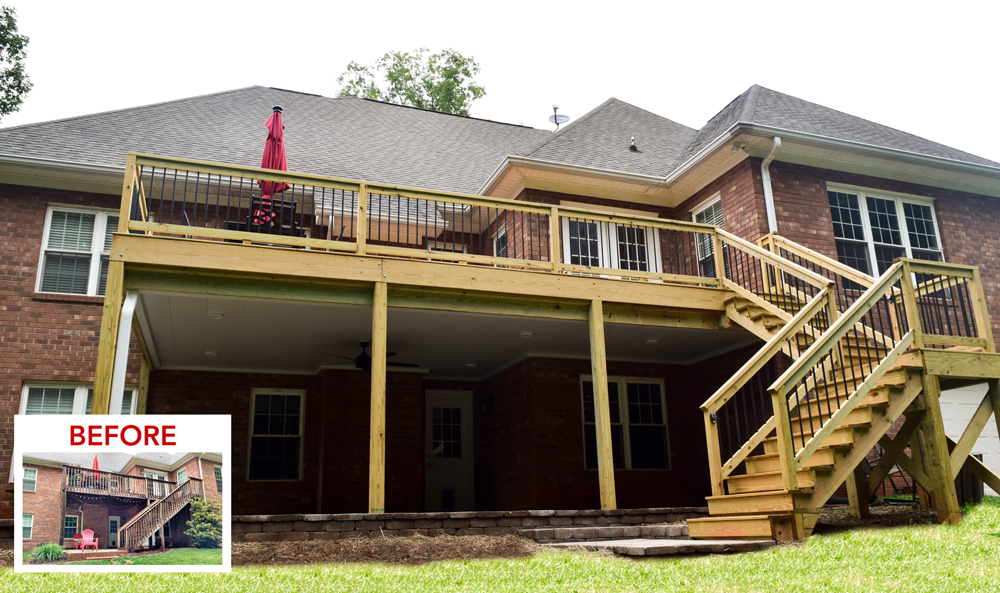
column 363, row 361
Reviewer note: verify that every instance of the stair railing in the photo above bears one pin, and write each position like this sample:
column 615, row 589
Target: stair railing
column 140, row 527
column 822, row 379
column 740, row 412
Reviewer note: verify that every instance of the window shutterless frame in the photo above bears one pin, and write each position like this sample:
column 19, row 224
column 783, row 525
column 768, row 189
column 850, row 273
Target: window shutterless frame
column 899, row 203
column 218, row 478
column 27, row 521
column 80, row 392
column 301, row 393
column 30, row 479
column 96, row 252
column 609, row 244
column 71, row 526
column 625, row 421
column 708, row 212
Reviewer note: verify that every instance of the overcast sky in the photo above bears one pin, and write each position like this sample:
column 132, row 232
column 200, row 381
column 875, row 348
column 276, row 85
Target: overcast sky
column 928, row 69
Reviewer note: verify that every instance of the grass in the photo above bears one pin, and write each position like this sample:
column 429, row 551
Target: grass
column 176, row 556
column 924, row 558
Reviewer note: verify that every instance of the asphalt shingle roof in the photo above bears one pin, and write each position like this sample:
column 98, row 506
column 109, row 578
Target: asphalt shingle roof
column 342, row 137
column 109, row 462
column 373, row 141
column 601, row 139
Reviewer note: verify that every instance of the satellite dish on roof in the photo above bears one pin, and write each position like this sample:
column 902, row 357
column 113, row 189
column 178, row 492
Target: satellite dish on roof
column 556, row 118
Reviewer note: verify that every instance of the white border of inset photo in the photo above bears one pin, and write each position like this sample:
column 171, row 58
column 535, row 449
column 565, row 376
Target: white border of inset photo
column 92, row 434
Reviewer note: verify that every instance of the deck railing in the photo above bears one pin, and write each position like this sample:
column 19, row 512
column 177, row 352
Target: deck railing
column 95, row 481
column 175, row 197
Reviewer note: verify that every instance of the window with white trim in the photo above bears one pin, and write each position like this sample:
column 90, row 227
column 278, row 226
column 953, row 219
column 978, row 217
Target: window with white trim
column 709, row 213
column 26, row 522
column 610, row 245
column 71, row 526
column 876, row 229
column 63, row 398
column 76, row 249
column 276, row 434
column 30, row 479
column 500, row 248
column 638, row 419
column 218, row 479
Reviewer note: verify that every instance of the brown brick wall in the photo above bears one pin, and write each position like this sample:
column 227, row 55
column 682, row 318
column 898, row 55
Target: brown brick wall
column 44, row 337
column 741, row 190
column 45, row 503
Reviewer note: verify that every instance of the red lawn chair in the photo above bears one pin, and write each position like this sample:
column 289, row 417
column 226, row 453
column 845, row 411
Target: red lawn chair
column 77, row 538
column 88, row 540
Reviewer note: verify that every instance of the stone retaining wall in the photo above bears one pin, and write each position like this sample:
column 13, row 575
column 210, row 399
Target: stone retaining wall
column 269, row 528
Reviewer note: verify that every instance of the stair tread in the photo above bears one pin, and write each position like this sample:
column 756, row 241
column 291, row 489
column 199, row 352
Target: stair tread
column 756, row 517
column 748, row 495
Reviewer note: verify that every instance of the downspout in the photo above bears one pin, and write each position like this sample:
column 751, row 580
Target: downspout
column 765, row 173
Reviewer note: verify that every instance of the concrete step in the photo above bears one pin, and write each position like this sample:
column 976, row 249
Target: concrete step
column 603, row 532
column 659, row 547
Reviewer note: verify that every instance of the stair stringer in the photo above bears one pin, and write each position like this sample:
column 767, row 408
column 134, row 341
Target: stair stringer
column 159, row 524
column 809, row 504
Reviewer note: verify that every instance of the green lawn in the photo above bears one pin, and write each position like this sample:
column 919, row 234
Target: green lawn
column 179, row 556
column 931, row 559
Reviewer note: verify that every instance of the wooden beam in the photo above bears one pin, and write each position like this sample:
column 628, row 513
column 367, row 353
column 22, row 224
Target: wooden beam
column 143, row 395
column 894, row 449
column 225, row 259
column 971, row 433
column 857, row 493
column 361, row 232
column 127, row 191
column 923, row 487
column 983, row 326
column 909, row 466
column 555, row 234
column 979, row 468
column 910, row 303
column 111, row 316
column 957, row 364
column 602, row 407
column 376, row 463
column 943, row 495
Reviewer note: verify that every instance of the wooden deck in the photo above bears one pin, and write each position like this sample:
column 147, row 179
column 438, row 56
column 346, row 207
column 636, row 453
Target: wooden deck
column 101, row 483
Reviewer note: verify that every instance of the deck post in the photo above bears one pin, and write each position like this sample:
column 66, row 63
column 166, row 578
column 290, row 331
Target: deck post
column 857, row 493
column 376, row 467
column 916, row 454
column 555, row 249
column 361, row 232
column 113, row 295
column 943, row 495
column 602, row 408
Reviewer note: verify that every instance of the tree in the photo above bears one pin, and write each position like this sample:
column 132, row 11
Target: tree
column 440, row 82
column 14, row 81
column 205, row 524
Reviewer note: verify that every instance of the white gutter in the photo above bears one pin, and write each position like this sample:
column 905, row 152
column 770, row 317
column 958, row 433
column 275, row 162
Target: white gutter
column 121, row 354
column 12, row 159
column 765, row 173
column 567, row 168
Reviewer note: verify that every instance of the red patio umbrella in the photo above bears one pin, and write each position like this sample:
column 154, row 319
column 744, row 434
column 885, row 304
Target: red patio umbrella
column 274, row 158
column 95, row 465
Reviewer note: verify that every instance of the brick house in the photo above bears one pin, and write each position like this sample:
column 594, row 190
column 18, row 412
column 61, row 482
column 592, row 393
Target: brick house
column 63, row 495
column 402, row 350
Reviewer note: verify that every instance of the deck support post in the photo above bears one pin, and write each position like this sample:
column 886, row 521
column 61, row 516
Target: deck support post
column 113, row 295
column 917, row 454
column 144, row 370
column 376, row 464
column 602, row 408
column 943, row 496
column 857, row 493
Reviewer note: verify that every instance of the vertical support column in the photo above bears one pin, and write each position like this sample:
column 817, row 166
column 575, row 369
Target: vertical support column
column 857, row 493
column 109, row 337
column 994, row 393
column 912, row 314
column 943, row 495
column 361, row 232
column 982, row 315
column 555, row 232
column 128, row 193
column 786, row 448
column 714, row 455
column 720, row 260
column 917, row 454
column 602, row 408
column 376, row 467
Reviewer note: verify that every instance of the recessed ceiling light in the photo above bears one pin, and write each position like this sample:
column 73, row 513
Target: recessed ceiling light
column 652, row 341
column 526, row 334
column 211, row 353
column 215, row 315
column 471, row 365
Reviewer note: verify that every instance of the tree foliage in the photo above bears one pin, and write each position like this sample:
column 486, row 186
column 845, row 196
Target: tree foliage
column 440, row 82
column 14, row 81
column 205, row 526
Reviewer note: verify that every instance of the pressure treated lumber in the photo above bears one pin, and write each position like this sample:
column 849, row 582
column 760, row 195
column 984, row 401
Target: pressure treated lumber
column 602, row 408
column 376, row 467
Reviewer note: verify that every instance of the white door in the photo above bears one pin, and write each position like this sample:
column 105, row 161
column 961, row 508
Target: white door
column 448, row 449
column 113, row 523
column 155, row 490
column 957, row 408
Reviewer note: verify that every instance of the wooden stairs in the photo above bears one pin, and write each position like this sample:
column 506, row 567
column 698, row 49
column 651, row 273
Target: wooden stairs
column 843, row 386
column 136, row 531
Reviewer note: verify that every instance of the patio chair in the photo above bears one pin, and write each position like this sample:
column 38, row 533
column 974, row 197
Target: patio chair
column 77, row 540
column 88, row 540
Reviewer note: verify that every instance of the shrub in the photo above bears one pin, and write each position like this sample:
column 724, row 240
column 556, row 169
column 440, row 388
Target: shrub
column 205, row 524
column 48, row 552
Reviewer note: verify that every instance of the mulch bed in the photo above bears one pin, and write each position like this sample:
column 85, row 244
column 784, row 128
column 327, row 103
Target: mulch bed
column 837, row 518
column 391, row 550
column 6, row 557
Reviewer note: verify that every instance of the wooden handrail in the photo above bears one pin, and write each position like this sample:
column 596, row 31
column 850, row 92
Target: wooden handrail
column 95, row 481
column 782, row 264
column 814, row 256
column 148, row 520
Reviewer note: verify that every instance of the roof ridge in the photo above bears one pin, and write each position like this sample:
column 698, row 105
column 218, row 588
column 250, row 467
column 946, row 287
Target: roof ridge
column 71, row 118
column 751, row 104
column 492, row 121
column 875, row 123
column 573, row 124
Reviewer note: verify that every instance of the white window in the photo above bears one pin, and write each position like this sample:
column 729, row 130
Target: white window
column 638, row 418
column 500, row 248
column 71, row 526
column 76, row 249
column 876, row 228
column 26, row 521
column 218, row 479
column 276, row 434
column 30, row 479
column 609, row 245
column 67, row 398
column 709, row 213
column 182, row 475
